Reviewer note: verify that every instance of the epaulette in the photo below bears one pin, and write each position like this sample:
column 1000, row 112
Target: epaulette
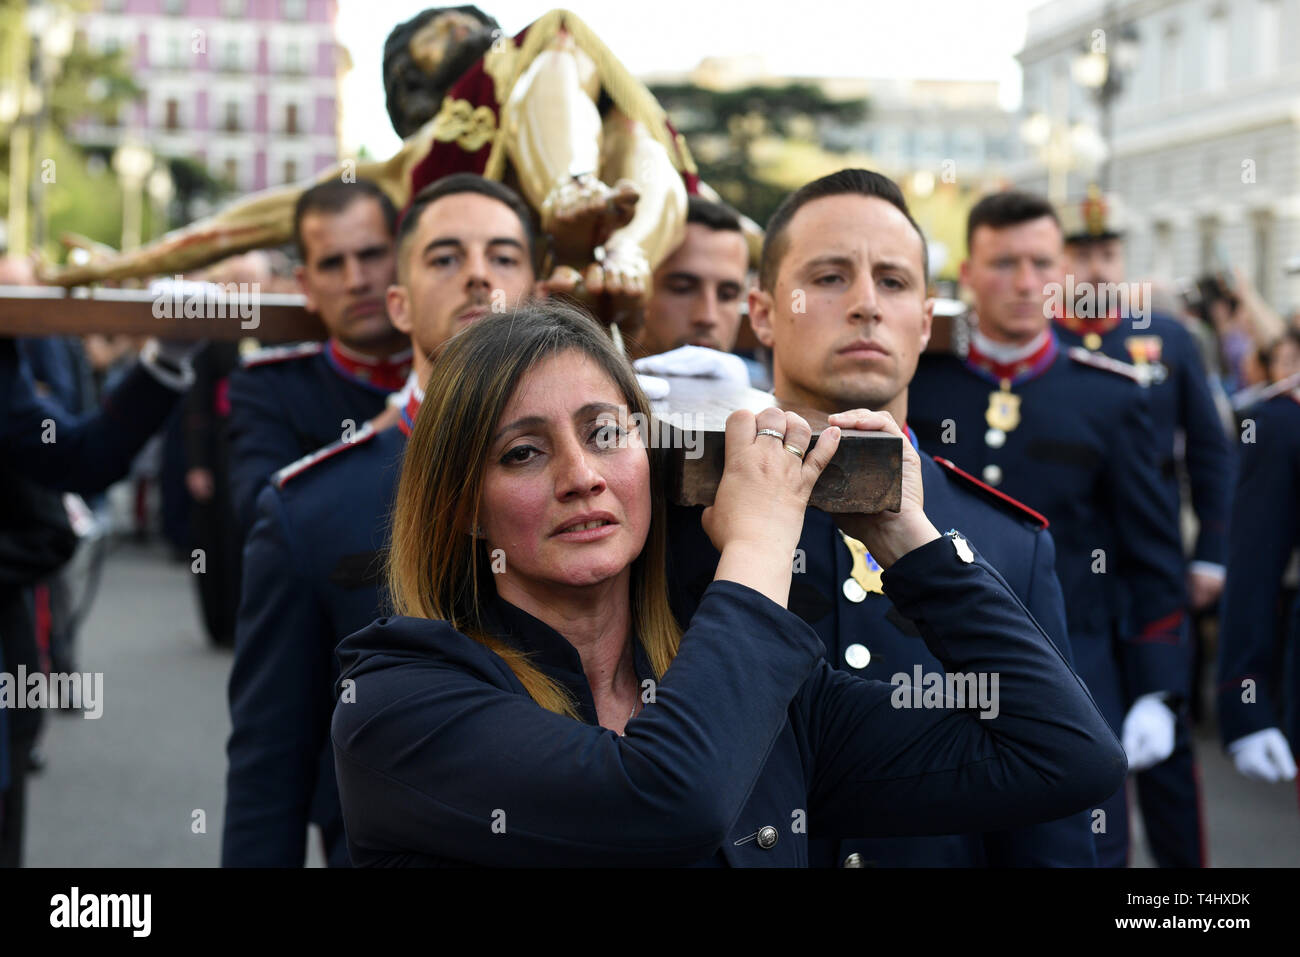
column 1142, row 375
column 294, row 469
column 1020, row 509
column 273, row 354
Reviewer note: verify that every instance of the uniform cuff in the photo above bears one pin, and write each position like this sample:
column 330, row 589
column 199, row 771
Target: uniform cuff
column 1212, row 569
column 173, row 373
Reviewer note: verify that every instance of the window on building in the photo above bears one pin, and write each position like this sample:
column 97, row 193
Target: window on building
column 1171, row 63
column 291, row 119
column 174, row 52
column 290, row 171
column 1209, row 245
column 1162, row 252
column 172, row 117
column 1262, row 236
column 232, row 8
column 293, row 58
column 1268, row 36
column 113, row 6
column 230, row 171
column 230, row 56
column 111, row 45
column 293, row 9
column 174, row 8
column 232, row 117
column 1216, row 51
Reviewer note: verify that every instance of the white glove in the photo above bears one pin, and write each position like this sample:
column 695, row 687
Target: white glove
column 1263, row 756
column 653, row 386
column 697, row 362
column 1148, row 734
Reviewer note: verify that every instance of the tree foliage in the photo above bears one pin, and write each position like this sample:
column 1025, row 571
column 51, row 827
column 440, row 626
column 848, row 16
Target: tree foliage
column 724, row 129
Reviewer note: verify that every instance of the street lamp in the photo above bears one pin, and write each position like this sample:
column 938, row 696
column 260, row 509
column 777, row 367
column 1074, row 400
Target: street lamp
column 161, row 190
column 1060, row 143
column 51, row 33
column 132, row 162
column 1102, row 67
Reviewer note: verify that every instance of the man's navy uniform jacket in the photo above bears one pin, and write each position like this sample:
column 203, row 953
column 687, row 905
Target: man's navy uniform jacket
column 1262, row 534
column 42, row 442
column 1180, row 403
column 1071, row 436
column 753, row 742
column 83, row 454
column 289, row 401
column 313, row 567
column 1182, row 410
column 1084, row 453
column 865, row 635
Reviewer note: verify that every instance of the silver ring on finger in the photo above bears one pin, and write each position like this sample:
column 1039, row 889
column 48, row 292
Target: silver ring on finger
column 772, row 432
column 795, row 450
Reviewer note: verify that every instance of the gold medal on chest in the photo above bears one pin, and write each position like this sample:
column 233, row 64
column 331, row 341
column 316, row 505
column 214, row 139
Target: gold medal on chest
column 866, row 572
column 1092, row 341
column 1004, row 409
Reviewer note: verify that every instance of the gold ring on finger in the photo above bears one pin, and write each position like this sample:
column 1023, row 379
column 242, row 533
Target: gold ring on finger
column 794, row 450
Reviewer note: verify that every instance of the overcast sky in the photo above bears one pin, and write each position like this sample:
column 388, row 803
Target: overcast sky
column 930, row 39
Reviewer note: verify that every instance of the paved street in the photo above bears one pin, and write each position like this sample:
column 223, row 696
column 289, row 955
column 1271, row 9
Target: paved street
column 122, row 790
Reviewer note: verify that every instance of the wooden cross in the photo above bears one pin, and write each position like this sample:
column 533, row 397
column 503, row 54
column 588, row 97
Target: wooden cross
column 174, row 313
column 865, row 476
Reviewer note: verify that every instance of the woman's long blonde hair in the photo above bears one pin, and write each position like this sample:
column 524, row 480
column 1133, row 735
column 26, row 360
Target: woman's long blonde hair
column 435, row 569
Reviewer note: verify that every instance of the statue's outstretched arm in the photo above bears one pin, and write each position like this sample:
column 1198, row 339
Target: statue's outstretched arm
column 261, row 220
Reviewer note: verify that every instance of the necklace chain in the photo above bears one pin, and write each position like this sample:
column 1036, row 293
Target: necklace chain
column 631, row 715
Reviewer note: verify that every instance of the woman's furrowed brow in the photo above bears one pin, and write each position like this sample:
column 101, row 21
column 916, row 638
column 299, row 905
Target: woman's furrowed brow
column 530, row 421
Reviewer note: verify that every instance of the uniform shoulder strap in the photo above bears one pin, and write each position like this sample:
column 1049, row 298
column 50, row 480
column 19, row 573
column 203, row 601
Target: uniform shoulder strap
column 1004, row 501
column 291, row 471
column 274, row 354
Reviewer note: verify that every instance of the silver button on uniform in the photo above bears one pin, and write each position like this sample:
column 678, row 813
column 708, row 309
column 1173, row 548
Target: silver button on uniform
column 992, row 475
column 853, row 860
column 767, row 837
column 853, row 591
column 857, row 656
column 995, row 438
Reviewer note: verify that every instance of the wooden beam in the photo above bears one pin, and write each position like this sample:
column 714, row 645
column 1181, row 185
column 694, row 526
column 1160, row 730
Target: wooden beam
column 865, row 477
column 55, row 311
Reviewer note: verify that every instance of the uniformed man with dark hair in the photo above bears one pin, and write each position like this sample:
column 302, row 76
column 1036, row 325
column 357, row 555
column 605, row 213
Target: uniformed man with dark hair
column 1112, row 318
column 290, row 400
column 843, row 307
column 315, row 556
column 1070, row 433
column 698, row 290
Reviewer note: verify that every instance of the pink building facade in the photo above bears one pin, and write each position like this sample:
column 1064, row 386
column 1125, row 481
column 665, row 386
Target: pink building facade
column 249, row 88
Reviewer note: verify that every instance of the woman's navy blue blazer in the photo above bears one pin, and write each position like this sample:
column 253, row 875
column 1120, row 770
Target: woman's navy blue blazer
column 751, row 745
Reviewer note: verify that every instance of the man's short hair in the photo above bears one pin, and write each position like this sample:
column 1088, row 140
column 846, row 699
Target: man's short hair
column 334, row 196
column 860, row 182
column 1011, row 207
column 464, row 183
column 716, row 216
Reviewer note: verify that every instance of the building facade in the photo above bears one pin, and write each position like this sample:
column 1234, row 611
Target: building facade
column 1205, row 132
column 248, row 88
